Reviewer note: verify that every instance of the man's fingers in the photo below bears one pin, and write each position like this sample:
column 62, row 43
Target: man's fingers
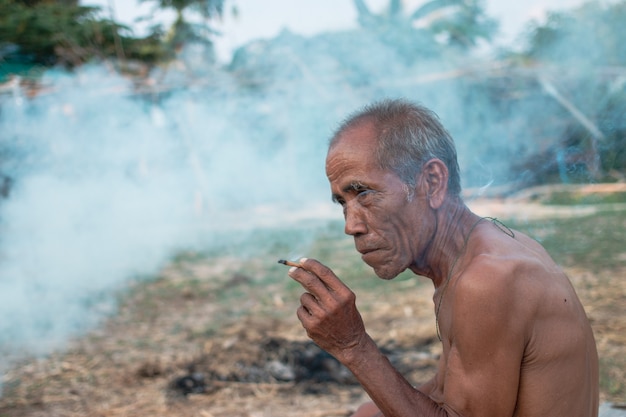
column 325, row 274
column 309, row 302
column 311, row 283
column 320, row 273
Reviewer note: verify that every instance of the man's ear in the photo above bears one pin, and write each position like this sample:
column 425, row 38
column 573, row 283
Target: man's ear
column 435, row 179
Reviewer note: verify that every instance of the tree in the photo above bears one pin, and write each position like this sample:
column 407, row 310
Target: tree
column 593, row 33
column 61, row 32
column 457, row 23
column 464, row 25
column 586, row 47
column 182, row 30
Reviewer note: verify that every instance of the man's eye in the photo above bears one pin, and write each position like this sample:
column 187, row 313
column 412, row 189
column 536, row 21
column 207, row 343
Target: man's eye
column 364, row 192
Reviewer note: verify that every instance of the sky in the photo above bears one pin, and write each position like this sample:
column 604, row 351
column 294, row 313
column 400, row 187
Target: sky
column 259, row 19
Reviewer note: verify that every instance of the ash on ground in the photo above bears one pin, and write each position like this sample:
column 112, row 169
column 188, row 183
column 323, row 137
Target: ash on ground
column 300, row 364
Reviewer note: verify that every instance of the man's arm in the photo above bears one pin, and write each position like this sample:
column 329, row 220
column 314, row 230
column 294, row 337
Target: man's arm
column 389, row 390
column 331, row 319
column 369, row 409
column 484, row 330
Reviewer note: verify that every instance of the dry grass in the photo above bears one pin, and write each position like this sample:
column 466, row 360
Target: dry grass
column 212, row 315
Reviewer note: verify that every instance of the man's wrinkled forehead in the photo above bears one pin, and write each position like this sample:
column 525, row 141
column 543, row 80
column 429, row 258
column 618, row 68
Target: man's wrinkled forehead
column 353, row 156
column 358, row 134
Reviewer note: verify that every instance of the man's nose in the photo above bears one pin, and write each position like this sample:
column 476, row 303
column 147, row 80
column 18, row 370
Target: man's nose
column 355, row 225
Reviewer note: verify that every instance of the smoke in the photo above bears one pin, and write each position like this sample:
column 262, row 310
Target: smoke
column 107, row 184
column 110, row 178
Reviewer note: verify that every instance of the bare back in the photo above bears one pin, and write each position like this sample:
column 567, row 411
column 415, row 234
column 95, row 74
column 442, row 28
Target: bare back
column 513, row 327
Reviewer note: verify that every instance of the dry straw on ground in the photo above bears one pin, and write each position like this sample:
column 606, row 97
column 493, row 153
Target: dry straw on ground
column 206, row 340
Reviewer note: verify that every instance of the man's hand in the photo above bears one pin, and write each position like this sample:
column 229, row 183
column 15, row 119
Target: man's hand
column 328, row 311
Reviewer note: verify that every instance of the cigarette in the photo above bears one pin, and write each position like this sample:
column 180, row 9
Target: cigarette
column 289, row 263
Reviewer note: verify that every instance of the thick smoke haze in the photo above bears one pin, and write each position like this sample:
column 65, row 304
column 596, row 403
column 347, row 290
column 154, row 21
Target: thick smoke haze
column 107, row 184
column 111, row 178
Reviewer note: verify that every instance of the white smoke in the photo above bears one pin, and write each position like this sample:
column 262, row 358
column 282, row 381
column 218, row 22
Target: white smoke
column 107, row 184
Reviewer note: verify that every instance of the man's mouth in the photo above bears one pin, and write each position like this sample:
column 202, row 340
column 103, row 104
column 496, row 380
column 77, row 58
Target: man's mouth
column 365, row 251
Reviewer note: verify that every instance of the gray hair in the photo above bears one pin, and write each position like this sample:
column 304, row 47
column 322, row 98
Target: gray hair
column 408, row 136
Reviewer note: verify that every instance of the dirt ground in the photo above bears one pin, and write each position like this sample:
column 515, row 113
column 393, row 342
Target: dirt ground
column 161, row 360
column 207, row 340
column 256, row 365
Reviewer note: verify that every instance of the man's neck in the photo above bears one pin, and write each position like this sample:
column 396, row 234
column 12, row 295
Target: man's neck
column 454, row 222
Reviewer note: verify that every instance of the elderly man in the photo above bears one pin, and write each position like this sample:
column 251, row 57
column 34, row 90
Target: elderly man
column 516, row 339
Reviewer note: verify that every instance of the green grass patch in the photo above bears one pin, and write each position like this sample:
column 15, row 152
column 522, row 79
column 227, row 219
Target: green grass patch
column 612, row 376
column 595, row 242
column 576, row 198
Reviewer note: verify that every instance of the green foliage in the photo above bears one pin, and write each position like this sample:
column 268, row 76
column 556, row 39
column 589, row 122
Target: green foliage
column 182, row 30
column 207, row 8
column 581, row 52
column 467, row 26
column 39, row 28
column 65, row 33
column 593, row 34
column 61, row 32
column 457, row 23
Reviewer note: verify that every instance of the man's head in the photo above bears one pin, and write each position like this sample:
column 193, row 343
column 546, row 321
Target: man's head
column 408, row 135
column 388, row 168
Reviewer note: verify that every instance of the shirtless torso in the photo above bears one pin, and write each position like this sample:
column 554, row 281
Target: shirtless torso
column 512, row 314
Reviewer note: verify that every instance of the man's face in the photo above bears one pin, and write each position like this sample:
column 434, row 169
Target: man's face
column 390, row 229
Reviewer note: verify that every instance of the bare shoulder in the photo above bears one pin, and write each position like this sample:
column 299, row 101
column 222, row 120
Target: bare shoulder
column 509, row 274
column 509, row 258
column 513, row 312
column 513, row 279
